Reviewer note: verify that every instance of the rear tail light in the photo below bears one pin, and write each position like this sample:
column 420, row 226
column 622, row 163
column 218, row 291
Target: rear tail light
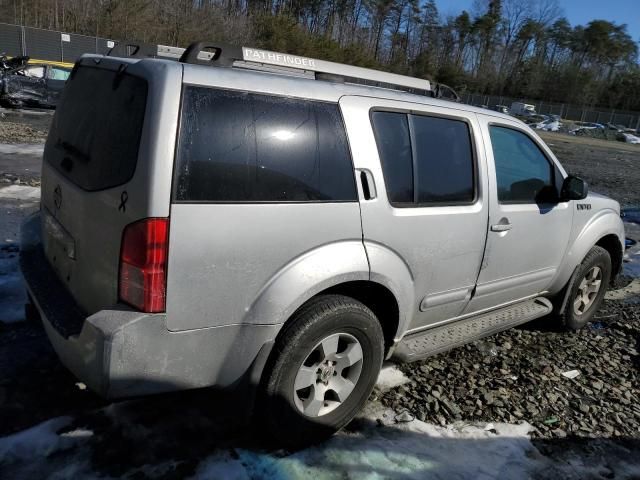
column 143, row 264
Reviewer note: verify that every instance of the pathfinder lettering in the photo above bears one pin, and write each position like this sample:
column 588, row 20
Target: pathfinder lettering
column 583, row 206
column 251, row 54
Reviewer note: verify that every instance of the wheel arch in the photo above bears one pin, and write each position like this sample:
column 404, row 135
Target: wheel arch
column 605, row 230
column 379, row 299
column 611, row 243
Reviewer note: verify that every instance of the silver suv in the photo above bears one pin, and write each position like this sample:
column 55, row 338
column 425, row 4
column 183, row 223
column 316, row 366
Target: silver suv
column 288, row 223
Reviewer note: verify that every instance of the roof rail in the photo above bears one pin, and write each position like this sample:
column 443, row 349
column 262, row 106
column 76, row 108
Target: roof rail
column 222, row 55
column 135, row 50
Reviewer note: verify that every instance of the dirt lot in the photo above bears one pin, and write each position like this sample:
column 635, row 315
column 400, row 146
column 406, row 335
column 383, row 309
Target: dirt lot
column 611, row 168
column 588, row 426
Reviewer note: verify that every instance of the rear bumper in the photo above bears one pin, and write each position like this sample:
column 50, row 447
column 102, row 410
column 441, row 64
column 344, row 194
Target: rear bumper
column 118, row 352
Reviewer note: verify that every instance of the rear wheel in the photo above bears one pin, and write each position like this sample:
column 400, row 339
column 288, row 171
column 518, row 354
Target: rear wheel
column 324, row 365
column 587, row 289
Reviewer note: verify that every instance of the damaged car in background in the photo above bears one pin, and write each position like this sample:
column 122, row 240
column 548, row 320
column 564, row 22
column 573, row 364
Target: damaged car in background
column 31, row 84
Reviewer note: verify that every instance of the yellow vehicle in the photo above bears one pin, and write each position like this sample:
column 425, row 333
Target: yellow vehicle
column 50, row 62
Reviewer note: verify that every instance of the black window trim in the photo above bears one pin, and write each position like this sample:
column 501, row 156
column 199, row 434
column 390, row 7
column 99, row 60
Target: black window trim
column 555, row 171
column 474, row 158
column 174, row 179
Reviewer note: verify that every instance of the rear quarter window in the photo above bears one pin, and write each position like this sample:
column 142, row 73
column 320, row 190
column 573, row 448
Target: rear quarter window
column 244, row 147
column 95, row 134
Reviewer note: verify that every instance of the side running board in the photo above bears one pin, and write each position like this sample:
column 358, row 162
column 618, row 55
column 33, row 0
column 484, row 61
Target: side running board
column 439, row 339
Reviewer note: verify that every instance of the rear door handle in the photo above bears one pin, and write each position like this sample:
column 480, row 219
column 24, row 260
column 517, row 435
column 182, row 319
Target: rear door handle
column 368, row 184
column 501, row 227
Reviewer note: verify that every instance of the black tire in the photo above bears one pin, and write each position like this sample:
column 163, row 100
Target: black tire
column 597, row 257
column 321, row 317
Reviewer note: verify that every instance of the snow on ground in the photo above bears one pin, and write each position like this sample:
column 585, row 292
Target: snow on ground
column 38, row 441
column 411, row 450
column 20, row 192
column 390, row 377
column 406, row 450
column 22, row 148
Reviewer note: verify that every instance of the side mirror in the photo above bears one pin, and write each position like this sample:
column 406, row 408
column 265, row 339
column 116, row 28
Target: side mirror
column 573, row 188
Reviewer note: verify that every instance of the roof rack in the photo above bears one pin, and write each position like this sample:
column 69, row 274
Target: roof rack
column 222, row 55
column 217, row 54
column 135, row 50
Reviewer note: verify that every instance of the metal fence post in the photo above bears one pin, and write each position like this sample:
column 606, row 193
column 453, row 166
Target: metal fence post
column 23, row 42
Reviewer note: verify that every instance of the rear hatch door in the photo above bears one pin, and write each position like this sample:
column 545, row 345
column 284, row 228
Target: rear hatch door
column 97, row 174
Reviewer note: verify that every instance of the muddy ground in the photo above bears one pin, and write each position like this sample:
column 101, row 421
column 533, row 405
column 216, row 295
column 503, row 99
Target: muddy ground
column 510, row 377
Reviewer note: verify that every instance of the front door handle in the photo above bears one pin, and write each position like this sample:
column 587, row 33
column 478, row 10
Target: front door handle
column 501, row 227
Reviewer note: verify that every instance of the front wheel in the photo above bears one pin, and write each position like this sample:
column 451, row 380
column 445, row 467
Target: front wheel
column 587, row 288
column 322, row 370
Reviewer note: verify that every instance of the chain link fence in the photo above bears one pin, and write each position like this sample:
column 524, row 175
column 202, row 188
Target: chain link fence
column 566, row 111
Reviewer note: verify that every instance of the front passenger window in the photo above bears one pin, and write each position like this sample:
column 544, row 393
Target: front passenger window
column 523, row 173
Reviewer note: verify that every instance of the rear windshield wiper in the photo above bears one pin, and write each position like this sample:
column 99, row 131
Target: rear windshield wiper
column 72, row 151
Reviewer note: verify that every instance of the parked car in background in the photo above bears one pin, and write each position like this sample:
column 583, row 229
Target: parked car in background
column 579, row 128
column 33, row 85
column 10, row 63
column 519, row 108
column 501, row 109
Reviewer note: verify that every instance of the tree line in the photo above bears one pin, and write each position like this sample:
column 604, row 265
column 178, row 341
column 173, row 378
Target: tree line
column 518, row 48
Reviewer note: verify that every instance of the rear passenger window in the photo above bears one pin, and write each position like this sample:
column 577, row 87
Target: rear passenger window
column 425, row 160
column 444, row 160
column 244, row 147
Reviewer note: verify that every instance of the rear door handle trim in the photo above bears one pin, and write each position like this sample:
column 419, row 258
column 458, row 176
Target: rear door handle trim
column 368, row 184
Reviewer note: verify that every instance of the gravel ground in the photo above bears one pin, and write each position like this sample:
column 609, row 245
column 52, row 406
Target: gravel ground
column 19, row 133
column 24, row 126
column 517, row 375
column 610, row 168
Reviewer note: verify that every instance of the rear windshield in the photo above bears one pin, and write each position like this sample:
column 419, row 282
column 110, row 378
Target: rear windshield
column 95, row 134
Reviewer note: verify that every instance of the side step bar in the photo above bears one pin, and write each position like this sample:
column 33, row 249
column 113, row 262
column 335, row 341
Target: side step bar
column 439, row 339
